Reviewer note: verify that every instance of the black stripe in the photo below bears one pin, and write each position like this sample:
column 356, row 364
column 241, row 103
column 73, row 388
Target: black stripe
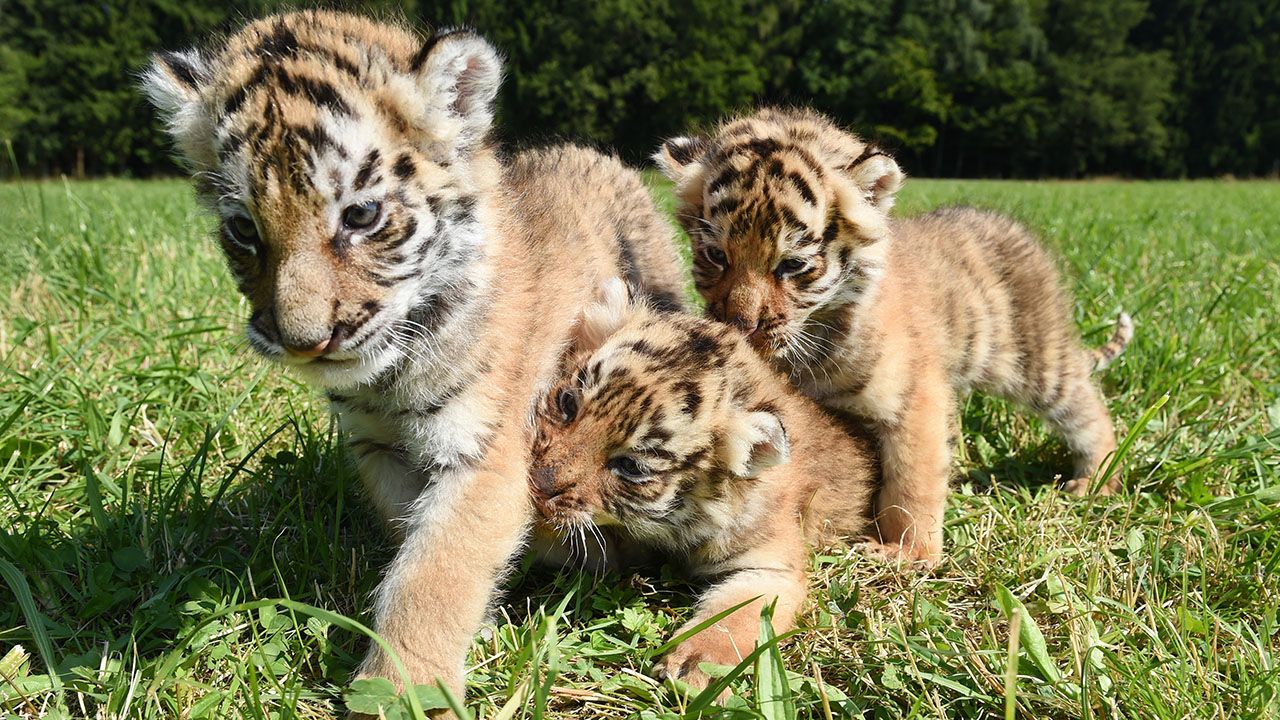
column 334, row 59
column 366, row 169
column 462, row 208
column 410, row 229
column 701, row 344
column 316, row 137
column 403, row 168
column 724, row 178
column 789, row 216
column 692, row 398
column 830, row 232
column 808, row 159
column 240, row 94
column 281, row 43
column 685, row 152
column 181, row 69
column 803, row 188
column 761, row 147
column 425, row 51
column 869, row 152
column 319, row 92
column 724, row 205
column 627, row 264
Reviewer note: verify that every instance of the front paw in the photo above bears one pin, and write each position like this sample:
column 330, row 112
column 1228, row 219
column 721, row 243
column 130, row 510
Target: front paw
column 915, row 556
column 378, row 684
column 1083, row 486
column 713, row 646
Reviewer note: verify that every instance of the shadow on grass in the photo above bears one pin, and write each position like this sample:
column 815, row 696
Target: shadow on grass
column 147, row 573
column 1047, row 465
column 135, row 573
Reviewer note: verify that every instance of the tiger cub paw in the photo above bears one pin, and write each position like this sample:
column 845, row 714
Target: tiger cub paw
column 1083, row 486
column 916, row 557
column 709, row 646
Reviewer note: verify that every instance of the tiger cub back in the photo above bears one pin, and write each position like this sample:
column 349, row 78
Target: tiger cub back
column 883, row 319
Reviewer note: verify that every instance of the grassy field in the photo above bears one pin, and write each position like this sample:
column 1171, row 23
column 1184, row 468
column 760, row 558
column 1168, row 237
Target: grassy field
column 181, row 535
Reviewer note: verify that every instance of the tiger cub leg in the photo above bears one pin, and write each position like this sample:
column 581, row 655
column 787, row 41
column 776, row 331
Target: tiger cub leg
column 458, row 545
column 916, row 455
column 391, row 486
column 775, row 574
column 1080, row 416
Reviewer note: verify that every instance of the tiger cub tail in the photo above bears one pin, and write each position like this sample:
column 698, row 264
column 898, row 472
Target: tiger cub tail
column 1102, row 356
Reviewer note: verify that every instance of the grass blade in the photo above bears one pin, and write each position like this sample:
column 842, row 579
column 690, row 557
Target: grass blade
column 35, row 620
column 665, row 647
column 773, row 694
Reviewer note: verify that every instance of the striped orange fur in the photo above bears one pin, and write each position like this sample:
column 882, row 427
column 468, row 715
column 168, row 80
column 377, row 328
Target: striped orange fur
column 884, row 319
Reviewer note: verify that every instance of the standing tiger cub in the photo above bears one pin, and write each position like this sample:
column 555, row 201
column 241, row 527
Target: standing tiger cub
column 669, row 432
column 882, row 318
column 389, row 257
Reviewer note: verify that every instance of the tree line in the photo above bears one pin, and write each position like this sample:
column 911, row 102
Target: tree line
column 988, row 88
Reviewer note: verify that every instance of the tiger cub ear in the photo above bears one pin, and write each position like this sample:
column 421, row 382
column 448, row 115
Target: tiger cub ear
column 459, row 73
column 758, row 443
column 174, row 82
column 682, row 160
column 604, row 316
column 877, row 176
column 679, row 157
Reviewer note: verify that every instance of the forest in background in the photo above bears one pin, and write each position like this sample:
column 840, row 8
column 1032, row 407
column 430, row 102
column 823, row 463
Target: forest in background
column 958, row 88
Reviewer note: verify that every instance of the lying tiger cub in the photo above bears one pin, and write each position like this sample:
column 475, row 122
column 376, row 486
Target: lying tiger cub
column 671, row 433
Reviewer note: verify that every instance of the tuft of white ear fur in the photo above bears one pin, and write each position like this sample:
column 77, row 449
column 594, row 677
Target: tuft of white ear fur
column 878, row 177
column 459, row 73
column 605, row 316
column 680, row 156
column 173, row 83
column 759, row 442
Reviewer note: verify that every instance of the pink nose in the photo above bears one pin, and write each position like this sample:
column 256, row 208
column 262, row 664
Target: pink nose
column 340, row 333
column 314, row 351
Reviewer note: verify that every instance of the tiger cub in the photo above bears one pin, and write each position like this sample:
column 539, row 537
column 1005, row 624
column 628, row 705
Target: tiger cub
column 881, row 318
column 390, row 257
column 669, row 432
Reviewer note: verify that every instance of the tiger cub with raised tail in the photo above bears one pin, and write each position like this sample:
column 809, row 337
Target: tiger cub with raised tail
column 880, row 318
column 391, row 257
column 668, row 432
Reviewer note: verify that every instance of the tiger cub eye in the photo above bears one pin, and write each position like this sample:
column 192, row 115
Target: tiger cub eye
column 716, row 256
column 243, row 229
column 627, row 468
column 362, row 215
column 567, row 402
column 790, row 266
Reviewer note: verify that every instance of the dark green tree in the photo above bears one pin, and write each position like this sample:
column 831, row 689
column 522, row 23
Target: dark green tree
column 1225, row 117
column 956, row 87
column 1108, row 97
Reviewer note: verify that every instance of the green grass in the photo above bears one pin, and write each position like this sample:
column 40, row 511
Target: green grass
column 155, row 477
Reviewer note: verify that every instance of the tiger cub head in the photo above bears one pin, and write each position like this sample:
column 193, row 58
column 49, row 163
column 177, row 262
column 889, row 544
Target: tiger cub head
column 658, row 425
column 346, row 162
column 788, row 216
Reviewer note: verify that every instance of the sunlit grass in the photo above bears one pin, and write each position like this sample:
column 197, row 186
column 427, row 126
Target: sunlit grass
column 155, row 477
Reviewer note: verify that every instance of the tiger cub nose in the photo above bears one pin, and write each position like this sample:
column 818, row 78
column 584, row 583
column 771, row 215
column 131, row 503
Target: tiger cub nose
column 314, row 351
column 318, row 349
column 544, row 480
